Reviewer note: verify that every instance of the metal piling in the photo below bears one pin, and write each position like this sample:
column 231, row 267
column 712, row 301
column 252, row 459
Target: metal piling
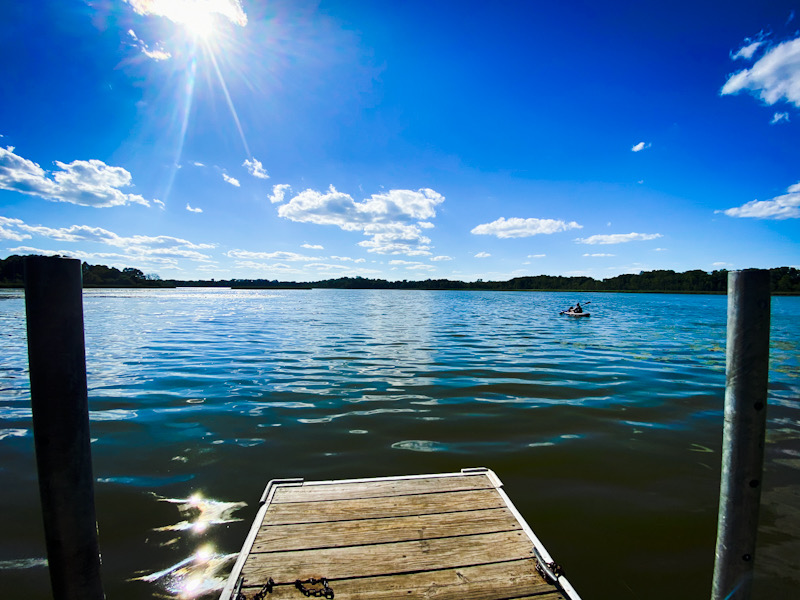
column 747, row 376
column 59, row 400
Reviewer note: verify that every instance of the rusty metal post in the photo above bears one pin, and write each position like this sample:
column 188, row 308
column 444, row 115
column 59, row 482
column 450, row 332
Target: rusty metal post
column 747, row 375
column 59, row 400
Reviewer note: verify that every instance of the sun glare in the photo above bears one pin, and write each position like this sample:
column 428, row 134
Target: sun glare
column 199, row 24
column 199, row 17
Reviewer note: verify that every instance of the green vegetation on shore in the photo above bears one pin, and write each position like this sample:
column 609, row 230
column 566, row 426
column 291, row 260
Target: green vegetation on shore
column 785, row 280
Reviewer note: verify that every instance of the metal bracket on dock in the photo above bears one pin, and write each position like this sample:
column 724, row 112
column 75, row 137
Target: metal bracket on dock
column 486, row 471
column 275, row 482
column 551, row 571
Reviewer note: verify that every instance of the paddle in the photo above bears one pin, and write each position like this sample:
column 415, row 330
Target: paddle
column 566, row 311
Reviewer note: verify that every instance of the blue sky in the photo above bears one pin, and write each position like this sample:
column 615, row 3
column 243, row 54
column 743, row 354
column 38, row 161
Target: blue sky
column 401, row 140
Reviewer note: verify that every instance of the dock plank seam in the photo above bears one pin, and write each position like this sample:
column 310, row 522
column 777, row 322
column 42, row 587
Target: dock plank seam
column 427, row 539
column 431, row 570
column 422, row 514
column 376, row 497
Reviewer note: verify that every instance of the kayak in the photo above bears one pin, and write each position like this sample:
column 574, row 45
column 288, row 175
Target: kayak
column 574, row 314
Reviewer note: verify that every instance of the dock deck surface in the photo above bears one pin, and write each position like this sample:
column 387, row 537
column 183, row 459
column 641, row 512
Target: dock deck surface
column 443, row 536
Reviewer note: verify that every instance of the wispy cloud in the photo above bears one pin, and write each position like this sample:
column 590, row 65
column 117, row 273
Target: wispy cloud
column 7, row 233
column 536, row 255
column 747, row 51
column 779, row 117
column 279, row 255
column 194, row 210
column 157, row 53
column 312, row 247
column 83, row 182
column 786, row 206
column 775, row 76
column 440, row 258
column 482, row 255
column 232, row 180
column 131, row 250
column 412, row 265
column 392, row 220
column 640, row 146
column 599, row 255
column 618, row 238
column 516, row 227
column 279, row 193
column 255, row 168
column 348, row 259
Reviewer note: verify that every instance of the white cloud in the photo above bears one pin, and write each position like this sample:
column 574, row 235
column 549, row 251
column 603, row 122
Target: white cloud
column 348, row 259
column 778, row 117
column 536, row 255
column 231, row 180
column 160, row 204
column 482, row 255
column 156, row 54
column 255, row 168
column 134, row 250
column 388, row 219
column 280, row 255
column 194, row 210
column 599, row 255
column 279, row 193
column 640, row 146
column 786, row 206
column 396, row 239
column 618, row 238
column 187, row 12
column 198, row 164
column 746, row 52
column 83, row 182
column 8, row 234
column 312, row 247
column 775, row 76
column 412, row 265
column 440, row 258
column 516, row 227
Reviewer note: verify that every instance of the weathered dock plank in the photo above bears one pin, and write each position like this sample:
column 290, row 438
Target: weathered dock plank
column 391, row 558
column 303, row 536
column 377, row 489
column 441, row 537
column 375, row 508
column 516, row 579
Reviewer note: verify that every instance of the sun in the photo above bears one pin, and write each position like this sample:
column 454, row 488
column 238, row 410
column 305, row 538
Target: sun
column 199, row 24
column 199, row 17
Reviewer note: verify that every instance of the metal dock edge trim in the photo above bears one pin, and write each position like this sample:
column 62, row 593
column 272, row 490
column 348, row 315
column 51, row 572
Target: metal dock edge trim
column 539, row 550
column 462, row 473
column 269, row 491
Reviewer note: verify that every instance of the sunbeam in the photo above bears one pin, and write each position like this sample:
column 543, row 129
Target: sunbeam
column 229, row 101
column 185, row 110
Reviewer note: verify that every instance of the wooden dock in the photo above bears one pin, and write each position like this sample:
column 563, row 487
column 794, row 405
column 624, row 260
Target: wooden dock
column 444, row 536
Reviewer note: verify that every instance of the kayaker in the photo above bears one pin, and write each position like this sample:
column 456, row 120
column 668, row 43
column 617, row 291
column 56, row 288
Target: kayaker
column 577, row 308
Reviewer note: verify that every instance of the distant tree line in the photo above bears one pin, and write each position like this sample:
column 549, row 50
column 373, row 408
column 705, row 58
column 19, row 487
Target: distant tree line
column 12, row 274
column 784, row 280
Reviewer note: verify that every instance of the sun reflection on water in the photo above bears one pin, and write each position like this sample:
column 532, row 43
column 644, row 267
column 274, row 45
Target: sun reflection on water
column 205, row 570
column 200, row 513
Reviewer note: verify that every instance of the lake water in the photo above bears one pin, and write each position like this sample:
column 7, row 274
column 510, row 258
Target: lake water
column 606, row 431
